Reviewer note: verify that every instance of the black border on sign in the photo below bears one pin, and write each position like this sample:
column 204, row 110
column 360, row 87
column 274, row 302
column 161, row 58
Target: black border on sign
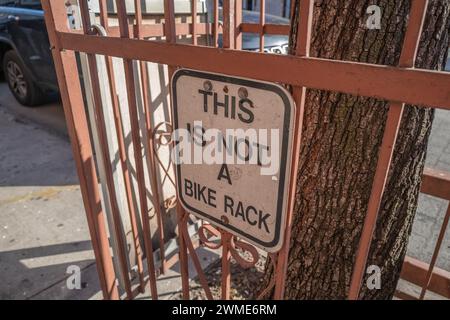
column 284, row 148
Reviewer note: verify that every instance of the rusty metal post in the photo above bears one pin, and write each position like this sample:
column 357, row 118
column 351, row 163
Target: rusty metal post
column 132, row 103
column 194, row 21
column 169, row 29
column 229, row 41
column 228, row 24
column 216, row 22
column 237, row 24
column 66, row 70
column 262, row 21
column 170, row 32
column 122, row 151
column 105, row 157
column 191, row 249
column 145, row 83
column 182, row 251
column 301, row 50
column 226, row 260
column 407, row 59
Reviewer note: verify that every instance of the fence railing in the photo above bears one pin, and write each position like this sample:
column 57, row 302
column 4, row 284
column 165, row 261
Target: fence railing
column 130, row 41
column 430, row 278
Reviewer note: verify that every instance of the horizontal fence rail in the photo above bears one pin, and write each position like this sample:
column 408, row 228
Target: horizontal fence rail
column 408, row 85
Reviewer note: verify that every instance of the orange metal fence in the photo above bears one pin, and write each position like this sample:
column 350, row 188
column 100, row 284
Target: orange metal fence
column 430, row 278
column 399, row 85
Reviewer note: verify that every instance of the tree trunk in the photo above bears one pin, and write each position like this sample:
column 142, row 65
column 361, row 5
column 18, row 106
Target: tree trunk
column 341, row 139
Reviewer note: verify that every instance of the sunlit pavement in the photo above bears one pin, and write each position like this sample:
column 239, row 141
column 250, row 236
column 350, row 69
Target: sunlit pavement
column 42, row 224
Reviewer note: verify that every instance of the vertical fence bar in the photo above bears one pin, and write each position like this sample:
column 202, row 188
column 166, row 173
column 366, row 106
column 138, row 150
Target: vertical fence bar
column 435, row 253
column 105, row 157
column 182, row 252
column 123, row 157
column 302, row 50
column 169, row 28
column 262, row 21
column 291, row 8
column 228, row 24
column 229, row 41
column 196, row 261
column 216, row 22
column 170, row 32
column 67, row 71
column 226, row 260
column 194, row 21
column 131, row 93
column 407, row 59
column 148, row 123
column 237, row 24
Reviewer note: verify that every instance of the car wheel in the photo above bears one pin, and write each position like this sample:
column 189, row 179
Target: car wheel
column 19, row 80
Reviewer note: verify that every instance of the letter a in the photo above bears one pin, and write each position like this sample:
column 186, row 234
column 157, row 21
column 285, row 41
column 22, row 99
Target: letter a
column 74, row 280
column 224, row 173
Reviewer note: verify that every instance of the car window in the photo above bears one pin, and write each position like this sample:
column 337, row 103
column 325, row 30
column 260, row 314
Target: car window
column 30, row 4
column 9, row 3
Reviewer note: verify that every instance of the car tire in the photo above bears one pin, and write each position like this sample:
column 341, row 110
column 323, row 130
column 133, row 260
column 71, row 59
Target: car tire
column 20, row 81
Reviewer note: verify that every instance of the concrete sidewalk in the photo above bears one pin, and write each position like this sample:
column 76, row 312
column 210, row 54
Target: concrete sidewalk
column 42, row 224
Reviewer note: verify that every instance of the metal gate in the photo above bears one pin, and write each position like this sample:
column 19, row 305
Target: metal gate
column 132, row 40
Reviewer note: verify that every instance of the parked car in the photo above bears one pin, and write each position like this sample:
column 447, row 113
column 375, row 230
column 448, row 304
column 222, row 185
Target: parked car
column 25, row 52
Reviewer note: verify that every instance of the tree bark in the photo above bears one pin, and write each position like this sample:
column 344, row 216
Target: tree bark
column 340, row 143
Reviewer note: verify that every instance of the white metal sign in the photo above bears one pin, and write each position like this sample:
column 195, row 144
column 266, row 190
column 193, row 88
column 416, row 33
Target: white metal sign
column 233, row 140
